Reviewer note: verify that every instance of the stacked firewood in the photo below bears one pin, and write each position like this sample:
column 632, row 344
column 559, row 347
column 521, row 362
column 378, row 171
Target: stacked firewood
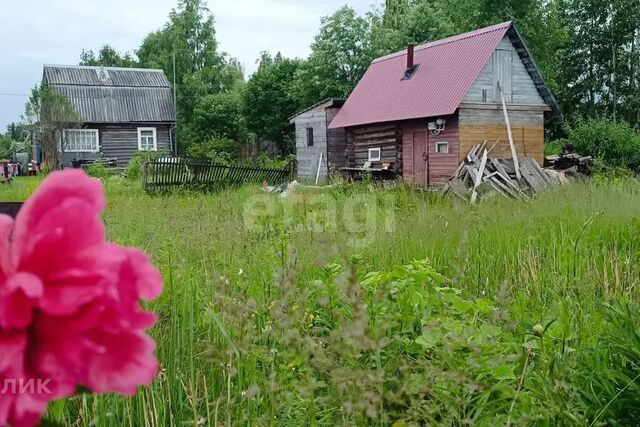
column 480, row 177
column 571, row 164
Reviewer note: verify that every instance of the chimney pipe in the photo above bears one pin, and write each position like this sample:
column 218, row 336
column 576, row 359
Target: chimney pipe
column 410, row 63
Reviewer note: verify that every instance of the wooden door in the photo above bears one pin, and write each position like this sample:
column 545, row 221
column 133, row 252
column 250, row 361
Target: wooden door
column 420, row 156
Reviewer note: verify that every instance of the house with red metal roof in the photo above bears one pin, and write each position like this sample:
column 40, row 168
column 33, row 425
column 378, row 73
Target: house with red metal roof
column 419, row 111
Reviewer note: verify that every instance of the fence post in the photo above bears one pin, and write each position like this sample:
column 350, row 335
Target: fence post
column 293, row 163
column 145, row 171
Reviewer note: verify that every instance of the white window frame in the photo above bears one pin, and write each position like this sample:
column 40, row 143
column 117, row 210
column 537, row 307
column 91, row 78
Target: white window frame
column 438, row 144
column 373, row 158
column 66, row 147
column 155, row 139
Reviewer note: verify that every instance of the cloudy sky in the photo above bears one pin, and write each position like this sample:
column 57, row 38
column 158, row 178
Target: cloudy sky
column 37, row 32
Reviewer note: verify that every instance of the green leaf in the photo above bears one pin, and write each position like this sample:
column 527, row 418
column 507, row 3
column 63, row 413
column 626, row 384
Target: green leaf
column 428, row 341
column 503, row 372
column 533, row 344
column 490, row 330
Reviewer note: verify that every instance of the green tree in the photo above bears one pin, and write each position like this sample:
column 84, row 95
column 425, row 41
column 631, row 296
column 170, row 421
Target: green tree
column 340, row 55
column 47, row 114
column 270, row 99
column 189, row 41
column 16, row 131
column 107, row 56
column 395, row 13
column 219, row 115
column 602, row 59
column 5, row 146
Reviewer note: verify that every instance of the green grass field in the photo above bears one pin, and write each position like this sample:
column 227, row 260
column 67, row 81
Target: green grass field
column 364, row 306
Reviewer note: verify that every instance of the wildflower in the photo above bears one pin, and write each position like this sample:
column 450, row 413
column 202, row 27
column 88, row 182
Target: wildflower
column 69, row 301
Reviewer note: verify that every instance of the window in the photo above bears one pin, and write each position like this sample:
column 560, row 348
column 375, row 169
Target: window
column 374, row 154
column 147, row 140
column 409, row 72
column 442, row 147
column 309, row 137
column 485, row 95
column 81, row 141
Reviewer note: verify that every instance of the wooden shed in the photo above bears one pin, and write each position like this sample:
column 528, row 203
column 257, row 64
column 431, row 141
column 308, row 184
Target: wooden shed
column 419, row 111
column 317, row 146
column 123, row 110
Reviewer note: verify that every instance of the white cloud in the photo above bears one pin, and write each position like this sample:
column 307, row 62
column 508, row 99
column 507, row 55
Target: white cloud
column 37, row 32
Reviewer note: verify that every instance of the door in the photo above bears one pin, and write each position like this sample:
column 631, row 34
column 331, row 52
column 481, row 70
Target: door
column 420, row 159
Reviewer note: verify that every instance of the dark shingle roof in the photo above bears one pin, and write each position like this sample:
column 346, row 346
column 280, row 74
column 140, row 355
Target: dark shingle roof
column 113, row 95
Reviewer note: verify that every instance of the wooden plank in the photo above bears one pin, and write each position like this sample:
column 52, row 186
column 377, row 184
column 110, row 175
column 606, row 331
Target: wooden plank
column 478, row 180
column 531, row 176
column 514, row 155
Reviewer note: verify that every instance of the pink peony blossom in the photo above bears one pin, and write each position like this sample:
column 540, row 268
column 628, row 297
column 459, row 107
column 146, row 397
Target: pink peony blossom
column 69, row 302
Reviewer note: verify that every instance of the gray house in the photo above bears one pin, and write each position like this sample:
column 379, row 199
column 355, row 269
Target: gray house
column 123, row 110
column 314, row 139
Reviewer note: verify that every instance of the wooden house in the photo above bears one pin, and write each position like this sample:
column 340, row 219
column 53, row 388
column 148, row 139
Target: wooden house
column 419, row 111
column 317, row 146
column 123, row 110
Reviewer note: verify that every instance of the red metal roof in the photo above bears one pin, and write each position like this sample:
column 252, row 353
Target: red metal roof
column 447, row 70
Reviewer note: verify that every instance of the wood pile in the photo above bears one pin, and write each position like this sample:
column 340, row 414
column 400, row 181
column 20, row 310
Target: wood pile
column 480, row 177
column 572, row 164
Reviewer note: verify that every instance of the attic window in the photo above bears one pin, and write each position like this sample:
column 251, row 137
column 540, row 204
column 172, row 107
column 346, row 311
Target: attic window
column 309, row 137
column 409, row 72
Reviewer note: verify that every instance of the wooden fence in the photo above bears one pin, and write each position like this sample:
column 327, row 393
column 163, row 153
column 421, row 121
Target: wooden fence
column 167, row 173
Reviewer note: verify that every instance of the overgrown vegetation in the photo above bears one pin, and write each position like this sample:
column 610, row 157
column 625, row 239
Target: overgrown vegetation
column 360, row 306
column 136, row 164
column 615, row 144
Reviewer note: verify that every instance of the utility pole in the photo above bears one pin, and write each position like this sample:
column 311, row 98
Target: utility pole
column 175, row 102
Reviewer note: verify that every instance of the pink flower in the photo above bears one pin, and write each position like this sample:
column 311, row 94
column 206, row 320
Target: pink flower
column 70, row 311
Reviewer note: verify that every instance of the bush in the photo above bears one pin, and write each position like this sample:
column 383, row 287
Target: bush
column 97, row 170
column 614, row 144
column 266, row 161
column 134, row 169
column 217, row 149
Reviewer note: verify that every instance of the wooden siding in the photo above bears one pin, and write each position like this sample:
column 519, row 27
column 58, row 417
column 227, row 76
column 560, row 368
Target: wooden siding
column 528, row 139
column 121, row 141
column 478, row 125
column 308, row 157
column 336, row 142
column 440, row 166
column 386, row 136
column 523, row 88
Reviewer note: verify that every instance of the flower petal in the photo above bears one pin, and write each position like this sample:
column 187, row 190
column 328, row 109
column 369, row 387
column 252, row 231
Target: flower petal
column 6, row 227
column 68, row 228
column 126, row 362
column 148, row 280
column 59, row 187
column 82, row 279
column 18, row 297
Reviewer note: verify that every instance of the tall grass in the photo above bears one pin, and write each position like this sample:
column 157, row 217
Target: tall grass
column 271, row 321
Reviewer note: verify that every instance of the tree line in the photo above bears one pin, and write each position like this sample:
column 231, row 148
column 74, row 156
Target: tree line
column 588, row 51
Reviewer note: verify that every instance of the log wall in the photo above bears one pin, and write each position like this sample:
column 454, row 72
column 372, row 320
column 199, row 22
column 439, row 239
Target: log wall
column 387, row 137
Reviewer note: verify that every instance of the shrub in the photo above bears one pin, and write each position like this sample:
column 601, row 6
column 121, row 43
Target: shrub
column 134, row 169
column 97, row 170
column 217, row 149
column 614, row 144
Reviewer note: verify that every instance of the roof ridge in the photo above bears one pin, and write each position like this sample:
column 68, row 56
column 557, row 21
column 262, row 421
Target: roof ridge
column 98, row 67
column 447, row 40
